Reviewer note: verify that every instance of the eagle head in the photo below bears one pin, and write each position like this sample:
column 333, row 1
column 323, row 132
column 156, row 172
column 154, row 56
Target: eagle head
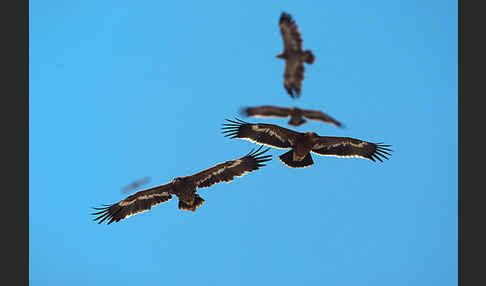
column 312, row 134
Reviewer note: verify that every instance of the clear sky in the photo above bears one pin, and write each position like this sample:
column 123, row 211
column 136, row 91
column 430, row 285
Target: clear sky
column 120, row 90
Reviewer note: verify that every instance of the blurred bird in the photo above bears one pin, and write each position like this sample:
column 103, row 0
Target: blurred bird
column 296, row 114
column 293, row 54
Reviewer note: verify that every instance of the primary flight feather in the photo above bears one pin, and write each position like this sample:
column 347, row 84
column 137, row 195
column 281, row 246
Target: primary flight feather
column 183, row 187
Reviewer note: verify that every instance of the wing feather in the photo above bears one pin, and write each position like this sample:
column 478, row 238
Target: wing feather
column 139, row 202
column 346, row 147
column 320, row 116
column 266, row 111
column 290, row 33
column 267, row 134
column 227, row 171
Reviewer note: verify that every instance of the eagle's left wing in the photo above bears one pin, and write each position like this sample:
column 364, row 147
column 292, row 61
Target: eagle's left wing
column 349, row 147
column 320, row 116
column 293, row 76
column 139, row 202
column 225, row 172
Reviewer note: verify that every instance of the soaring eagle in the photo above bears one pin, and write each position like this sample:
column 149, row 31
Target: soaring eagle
column 183, row 187
column 135, row 185
column 295, row 114
column 302, row 144
column 293, row 54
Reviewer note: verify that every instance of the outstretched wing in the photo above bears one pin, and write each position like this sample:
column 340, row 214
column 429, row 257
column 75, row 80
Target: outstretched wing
column 266, row 111
column 320, row 116
column 267, row 134
column 294, row 76
column 349, row 147
column 225, row 172
column 134, row 204
column 290, row 33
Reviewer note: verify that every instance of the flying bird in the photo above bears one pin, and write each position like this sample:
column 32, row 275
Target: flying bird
column 302, row 144
column 293, row 54
column 183, row 187
column 135, row 185
column 296, row 114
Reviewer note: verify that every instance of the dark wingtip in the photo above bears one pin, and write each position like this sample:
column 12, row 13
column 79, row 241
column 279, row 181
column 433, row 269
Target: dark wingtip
column 285, row 17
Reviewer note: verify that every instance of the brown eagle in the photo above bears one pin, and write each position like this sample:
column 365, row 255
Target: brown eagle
column 293, row 55
column 296, row 114
column 302, row 144
column 135, row 185
column 183, row 187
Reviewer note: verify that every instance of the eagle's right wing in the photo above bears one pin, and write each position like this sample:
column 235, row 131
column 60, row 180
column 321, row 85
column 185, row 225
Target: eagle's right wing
column 267, row 134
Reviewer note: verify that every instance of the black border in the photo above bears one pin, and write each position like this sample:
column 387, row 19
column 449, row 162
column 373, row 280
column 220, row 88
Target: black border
column 471, row 206
column 15, row 115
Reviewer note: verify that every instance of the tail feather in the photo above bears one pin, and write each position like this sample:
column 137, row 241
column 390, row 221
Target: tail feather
column 198, row 201
column 288, row 159
column 309, row 57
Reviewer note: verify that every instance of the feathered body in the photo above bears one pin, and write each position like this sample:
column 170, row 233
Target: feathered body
column 293, row 54
column 183, row 187
column 303, row 144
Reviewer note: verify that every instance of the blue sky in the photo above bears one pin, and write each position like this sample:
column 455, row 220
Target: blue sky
column 120, row 90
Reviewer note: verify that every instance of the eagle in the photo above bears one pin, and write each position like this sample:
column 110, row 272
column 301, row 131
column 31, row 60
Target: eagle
column 183, row 187
column 135, row 185
column 302, row 144
column 293, row 54
column 296, row 114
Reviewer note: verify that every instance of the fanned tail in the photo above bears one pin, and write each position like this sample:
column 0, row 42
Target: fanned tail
column 288, row 159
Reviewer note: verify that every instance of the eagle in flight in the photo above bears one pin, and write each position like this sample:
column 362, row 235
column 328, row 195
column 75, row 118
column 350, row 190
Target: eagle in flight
column 293, row 54
column 302, row 144
column 135, row 185
column 296, row 114
column 183, row 187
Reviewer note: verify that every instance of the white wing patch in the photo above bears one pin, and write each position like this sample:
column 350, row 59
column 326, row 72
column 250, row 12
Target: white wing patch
column 341, row 156
column 144, row 197
column 270, row 132
column 221, row 170
column 253, row 141
column 328, row 146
